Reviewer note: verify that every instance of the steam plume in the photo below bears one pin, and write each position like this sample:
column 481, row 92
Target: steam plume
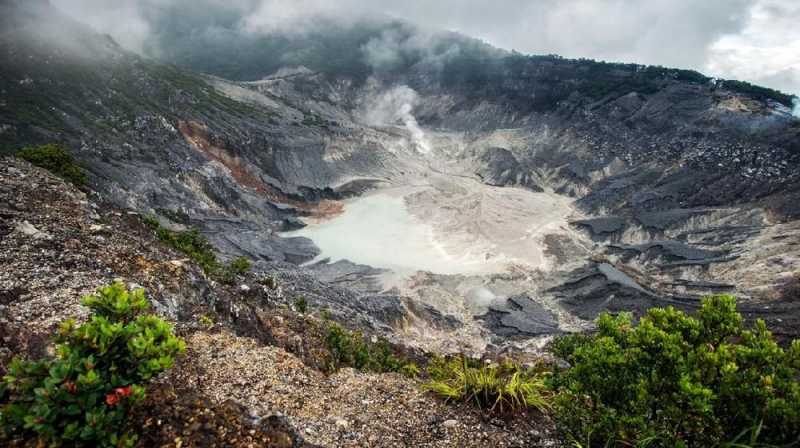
column 396, row 106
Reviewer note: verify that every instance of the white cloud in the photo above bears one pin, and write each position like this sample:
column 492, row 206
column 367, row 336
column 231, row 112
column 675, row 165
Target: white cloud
column 766, row 50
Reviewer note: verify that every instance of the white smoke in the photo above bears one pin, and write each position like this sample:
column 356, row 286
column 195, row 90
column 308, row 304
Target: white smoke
column 389, row 50
column 796, row 107
column 395, row 106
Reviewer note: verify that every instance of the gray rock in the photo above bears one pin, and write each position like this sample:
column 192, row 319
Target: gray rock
column 28, row 229
column 602, row 225
column 520, row 316
column 450, row 423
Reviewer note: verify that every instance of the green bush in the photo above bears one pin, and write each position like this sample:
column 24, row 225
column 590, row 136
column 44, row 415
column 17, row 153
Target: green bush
column 676, row 380
column 84, row 394
column 195, row 246
column 352, row 349
column 56, row 159
column 240, row 265
column 498, row 387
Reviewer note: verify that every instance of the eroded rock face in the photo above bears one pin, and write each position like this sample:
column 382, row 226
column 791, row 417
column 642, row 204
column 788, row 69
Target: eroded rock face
column 521, row 316
column 499, row 167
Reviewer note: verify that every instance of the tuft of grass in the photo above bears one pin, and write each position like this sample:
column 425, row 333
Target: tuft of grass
column 56, row 159
column 497, row 387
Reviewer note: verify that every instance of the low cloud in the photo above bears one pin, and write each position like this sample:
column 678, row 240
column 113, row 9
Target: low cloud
column 395, row 46
column 754, row 40
column 765, row 51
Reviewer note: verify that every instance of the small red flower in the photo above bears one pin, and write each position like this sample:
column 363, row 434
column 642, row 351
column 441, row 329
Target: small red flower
column 123, row 391
column 71, row 387
column 112, row 399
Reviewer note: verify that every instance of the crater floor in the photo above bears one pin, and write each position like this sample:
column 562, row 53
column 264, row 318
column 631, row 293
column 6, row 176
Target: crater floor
column 463, row 227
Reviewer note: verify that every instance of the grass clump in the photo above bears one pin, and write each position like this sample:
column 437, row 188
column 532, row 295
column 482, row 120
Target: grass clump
column 195, row 246
column 84, row 394
column 503, row 387
column 675, row 380
column 56, row 159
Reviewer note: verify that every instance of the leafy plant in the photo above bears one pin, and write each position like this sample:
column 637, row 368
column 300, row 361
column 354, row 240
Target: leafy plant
column 84, row 394
column 498, row 387
column 677, row 380
column 56, row 159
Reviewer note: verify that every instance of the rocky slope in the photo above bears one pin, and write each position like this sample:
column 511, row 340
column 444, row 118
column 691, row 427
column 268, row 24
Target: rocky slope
column 251, row 375
column 675, row 185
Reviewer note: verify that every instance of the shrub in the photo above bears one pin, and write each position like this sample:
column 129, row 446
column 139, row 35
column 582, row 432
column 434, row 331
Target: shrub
column 205, row 321
column 195, row 246
column 301, row 304
column 56, row 159
column 269, row 282
column 352, row 349
column 498, row 387
column 227, row 273
column 676, row 380
column 240, row 265
column 83, row 395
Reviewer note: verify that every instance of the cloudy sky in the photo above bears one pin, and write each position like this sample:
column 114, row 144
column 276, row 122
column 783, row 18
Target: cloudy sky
column 753, row 40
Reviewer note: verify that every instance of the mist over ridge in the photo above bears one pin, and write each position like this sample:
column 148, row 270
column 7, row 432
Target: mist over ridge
column 754, row 41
